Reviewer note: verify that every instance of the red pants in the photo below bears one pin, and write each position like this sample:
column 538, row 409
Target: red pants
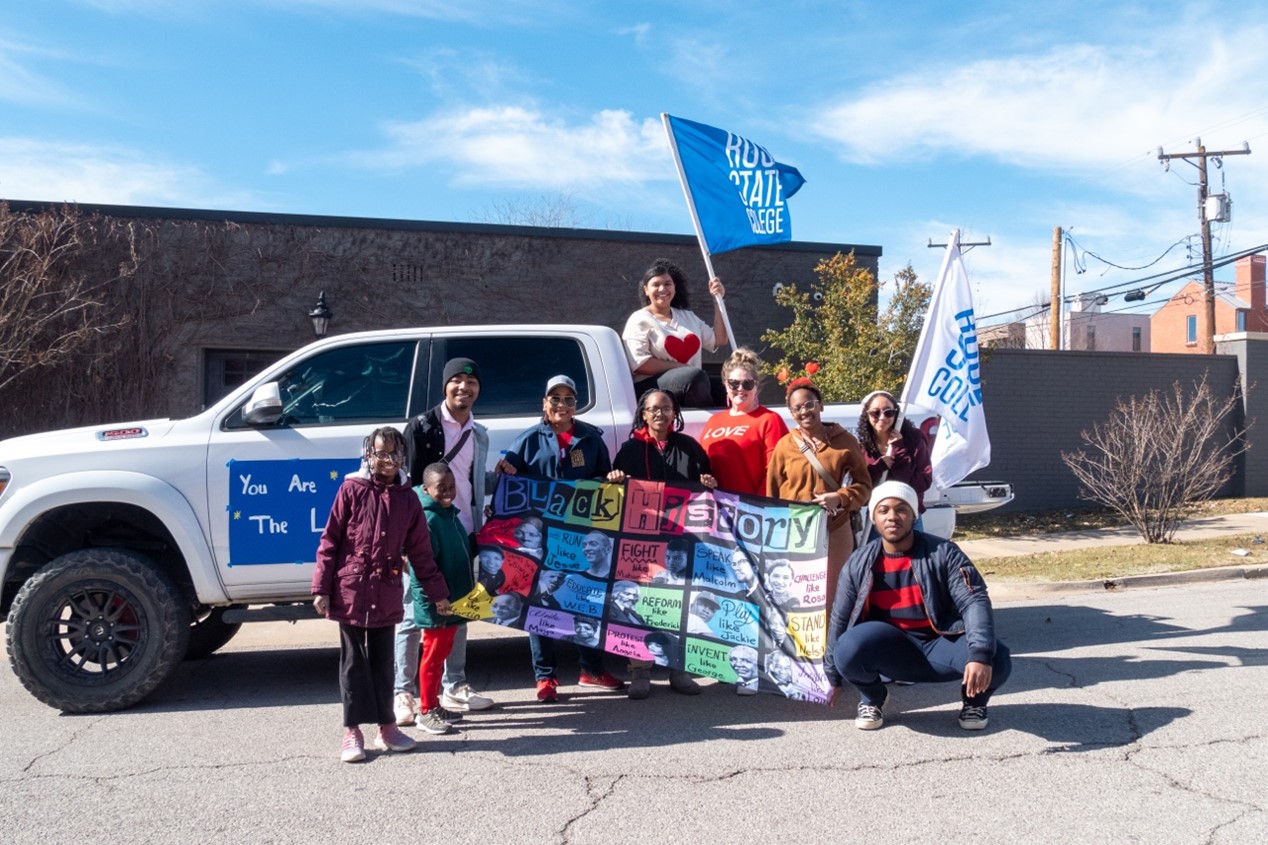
column 437, row 643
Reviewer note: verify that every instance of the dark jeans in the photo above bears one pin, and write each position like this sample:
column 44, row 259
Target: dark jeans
column 544, row 660
column 871, row 649
column 367, row 662
column 690, row 385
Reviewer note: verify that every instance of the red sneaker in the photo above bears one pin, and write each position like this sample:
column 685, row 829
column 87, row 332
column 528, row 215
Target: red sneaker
column 546, row 690
column 602, row 681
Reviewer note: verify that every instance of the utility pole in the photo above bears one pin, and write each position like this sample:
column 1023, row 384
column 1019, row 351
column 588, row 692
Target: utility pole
column 1055, row 307
column 1208, row 277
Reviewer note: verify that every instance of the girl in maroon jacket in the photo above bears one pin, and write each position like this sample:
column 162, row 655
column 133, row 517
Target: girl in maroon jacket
column 358, row 583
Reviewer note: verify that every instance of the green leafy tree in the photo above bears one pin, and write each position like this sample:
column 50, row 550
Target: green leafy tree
column 836, row 336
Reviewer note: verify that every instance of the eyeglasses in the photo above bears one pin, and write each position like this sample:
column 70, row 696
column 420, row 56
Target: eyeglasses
column 808, row 405
column 556, row 401
column 888, row 413
column 657, row 411
column 387, row 457
column 746, row 384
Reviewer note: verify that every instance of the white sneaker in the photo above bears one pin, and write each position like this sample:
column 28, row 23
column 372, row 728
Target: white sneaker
column 463, row 698
column 405, row 709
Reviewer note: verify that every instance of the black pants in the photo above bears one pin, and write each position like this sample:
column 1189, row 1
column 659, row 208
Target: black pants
column 367, row 666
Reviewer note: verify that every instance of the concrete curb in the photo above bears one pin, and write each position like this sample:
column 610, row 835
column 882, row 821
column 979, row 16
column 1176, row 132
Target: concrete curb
column 1020, row 590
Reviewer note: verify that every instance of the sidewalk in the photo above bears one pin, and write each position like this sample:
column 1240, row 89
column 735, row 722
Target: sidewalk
column 1196, row 529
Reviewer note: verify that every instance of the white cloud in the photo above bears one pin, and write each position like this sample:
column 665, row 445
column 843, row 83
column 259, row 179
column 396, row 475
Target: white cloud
column 20, row 82
column 518, row 147
column 454, row 74
column 37, row 169
column 1075, row 105
column 441, row 9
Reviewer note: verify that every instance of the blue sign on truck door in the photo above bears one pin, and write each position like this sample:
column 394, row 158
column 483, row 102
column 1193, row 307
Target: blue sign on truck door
column 277, row 509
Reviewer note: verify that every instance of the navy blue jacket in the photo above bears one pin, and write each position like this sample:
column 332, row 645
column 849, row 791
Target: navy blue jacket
column 535, row 453
column 954, row 594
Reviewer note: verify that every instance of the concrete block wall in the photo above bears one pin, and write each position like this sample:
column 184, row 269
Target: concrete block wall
column 1037, row 403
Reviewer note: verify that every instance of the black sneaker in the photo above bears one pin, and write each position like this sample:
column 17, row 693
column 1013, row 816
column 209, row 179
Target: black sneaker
column 973, row 718
column 870, row 716
column 451, row 716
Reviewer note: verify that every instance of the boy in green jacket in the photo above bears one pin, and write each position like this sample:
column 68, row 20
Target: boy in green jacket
column 452, row 550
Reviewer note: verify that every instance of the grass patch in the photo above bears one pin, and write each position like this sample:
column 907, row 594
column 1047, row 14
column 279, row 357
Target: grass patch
column 1108, row 562
column 994, row 524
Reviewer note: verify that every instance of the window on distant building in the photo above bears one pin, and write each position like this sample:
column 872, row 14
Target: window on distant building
column 1136, row 337
column 1191, row 329
column 225, row 369
column 1091, row 338
column 1241, row 321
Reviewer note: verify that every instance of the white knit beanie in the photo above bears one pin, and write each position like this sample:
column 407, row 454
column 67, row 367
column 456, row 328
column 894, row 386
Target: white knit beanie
column 894, row 490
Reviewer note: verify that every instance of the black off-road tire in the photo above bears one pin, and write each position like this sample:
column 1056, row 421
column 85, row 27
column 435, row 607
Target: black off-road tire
column 210, row 632
column 97, row 630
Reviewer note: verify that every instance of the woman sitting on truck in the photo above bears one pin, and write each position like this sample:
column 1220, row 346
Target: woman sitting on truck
column 895, row 449
column 664, row 339
column 741, row 439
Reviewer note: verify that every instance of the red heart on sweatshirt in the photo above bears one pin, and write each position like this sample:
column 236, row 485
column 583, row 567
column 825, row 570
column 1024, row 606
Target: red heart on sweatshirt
column 682, row 349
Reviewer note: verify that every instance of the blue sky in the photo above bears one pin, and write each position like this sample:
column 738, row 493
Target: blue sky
column 907, row 120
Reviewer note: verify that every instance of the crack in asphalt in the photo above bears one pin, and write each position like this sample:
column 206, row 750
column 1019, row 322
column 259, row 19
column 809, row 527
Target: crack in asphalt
column 70, row 740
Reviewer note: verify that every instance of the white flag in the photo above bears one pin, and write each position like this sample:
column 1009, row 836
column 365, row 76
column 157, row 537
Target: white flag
column 946, row 374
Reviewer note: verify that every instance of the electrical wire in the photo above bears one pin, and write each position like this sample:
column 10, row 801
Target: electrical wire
column 1087, row 252
column 1155, row 281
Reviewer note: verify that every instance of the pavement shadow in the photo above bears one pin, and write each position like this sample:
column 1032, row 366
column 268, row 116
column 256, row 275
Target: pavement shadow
column 587, row 719
column 1040, row 627
column 1037, row 636
column 1067, row 727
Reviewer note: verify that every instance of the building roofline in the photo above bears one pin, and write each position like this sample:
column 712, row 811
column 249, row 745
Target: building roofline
column 318, row 220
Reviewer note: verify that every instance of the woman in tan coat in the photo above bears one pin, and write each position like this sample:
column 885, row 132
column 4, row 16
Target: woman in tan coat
column 794, row 476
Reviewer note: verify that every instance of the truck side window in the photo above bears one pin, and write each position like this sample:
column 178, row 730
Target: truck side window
column 514, row 371
column 366, row 383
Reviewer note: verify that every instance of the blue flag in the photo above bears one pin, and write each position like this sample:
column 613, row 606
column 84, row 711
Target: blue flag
column 736, row 188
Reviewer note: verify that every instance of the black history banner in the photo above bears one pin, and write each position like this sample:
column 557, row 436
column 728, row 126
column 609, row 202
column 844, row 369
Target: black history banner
column 719, row 584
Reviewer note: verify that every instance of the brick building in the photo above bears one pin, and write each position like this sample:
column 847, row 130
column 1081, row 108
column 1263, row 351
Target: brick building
column 220, row 294
column 1176, row 326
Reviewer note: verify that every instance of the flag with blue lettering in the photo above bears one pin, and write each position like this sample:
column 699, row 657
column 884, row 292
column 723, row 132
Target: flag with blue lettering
column 946, row 374
column 737, row 191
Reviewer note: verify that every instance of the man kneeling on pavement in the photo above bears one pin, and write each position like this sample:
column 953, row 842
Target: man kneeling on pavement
column 911, row 607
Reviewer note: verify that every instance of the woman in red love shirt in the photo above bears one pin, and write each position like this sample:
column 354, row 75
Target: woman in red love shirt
column 741, row 439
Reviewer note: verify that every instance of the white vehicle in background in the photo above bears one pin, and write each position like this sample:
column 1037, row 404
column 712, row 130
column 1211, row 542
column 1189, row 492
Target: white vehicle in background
column 127, row 548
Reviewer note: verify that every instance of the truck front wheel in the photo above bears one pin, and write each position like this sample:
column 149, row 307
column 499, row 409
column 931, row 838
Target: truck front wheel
column 97, row 630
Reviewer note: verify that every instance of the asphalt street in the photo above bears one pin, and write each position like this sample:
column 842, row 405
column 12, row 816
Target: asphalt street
column 1133, row 716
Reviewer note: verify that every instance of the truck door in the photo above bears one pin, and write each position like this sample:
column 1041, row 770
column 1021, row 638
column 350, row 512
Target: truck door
column 270, row 488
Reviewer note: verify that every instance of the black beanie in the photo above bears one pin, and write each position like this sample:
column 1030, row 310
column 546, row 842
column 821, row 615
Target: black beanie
column 460, row 366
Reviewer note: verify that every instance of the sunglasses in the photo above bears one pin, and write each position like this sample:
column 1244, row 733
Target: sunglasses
column 556, row 401
column 746, row 384
column 888, row 413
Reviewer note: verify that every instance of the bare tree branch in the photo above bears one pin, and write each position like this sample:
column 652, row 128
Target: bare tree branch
column 1156, row 456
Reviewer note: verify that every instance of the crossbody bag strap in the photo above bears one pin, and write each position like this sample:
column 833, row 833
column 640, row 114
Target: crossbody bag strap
column 809, row 451
column 457, row 447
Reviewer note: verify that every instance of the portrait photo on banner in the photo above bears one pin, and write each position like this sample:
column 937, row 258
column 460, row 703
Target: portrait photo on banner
column 719, row 584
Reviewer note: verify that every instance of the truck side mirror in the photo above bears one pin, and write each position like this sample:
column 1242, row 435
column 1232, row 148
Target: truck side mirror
column 265, row 407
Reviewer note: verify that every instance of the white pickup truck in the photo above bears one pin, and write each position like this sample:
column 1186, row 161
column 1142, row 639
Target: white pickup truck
column 127, row 548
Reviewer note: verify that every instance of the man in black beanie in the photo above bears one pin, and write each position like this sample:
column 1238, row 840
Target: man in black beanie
column 449, row 433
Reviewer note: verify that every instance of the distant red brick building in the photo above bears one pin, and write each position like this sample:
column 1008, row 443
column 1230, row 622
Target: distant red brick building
column 1177, row 325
